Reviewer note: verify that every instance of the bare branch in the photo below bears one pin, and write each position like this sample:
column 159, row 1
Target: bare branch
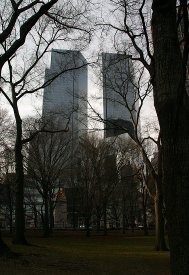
column 24, row 30
column 49, row 81
column 145, row 30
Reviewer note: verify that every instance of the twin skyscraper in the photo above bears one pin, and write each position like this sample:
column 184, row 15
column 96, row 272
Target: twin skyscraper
column 66, row 93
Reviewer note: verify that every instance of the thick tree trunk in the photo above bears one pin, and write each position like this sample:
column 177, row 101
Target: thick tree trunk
column 172, row 106
column 10, row 203
column 176, row 181
column 158, row 205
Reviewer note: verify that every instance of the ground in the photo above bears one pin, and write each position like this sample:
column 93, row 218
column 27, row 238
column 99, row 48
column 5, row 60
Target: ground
column 72, row 253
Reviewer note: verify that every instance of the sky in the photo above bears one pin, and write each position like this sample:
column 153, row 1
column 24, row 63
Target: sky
column 30, row 105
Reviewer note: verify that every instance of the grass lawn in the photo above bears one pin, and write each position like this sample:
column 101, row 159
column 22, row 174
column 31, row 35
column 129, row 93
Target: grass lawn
column 73, row 253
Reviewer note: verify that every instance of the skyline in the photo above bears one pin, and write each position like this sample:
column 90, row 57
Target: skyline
column 32, row 105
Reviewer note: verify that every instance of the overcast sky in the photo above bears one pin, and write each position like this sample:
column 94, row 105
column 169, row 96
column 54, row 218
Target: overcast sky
column 29, row 105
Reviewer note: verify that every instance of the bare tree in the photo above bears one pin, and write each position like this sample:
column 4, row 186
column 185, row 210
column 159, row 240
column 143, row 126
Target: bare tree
column 171, row 103
column 29, row 29
column 98, row 178
column 8, row 207
column 166, row 62
column 49, row 156
column 126, row 90
column 7, row 166
column 129, row 187
column 86, row 181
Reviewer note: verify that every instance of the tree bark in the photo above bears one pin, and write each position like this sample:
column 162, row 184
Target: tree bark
column 10, row 198
column 158, row 205
column 172, row 106
column 160, row 244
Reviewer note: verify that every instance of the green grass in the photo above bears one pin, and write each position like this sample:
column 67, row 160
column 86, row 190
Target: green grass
column 73, row 253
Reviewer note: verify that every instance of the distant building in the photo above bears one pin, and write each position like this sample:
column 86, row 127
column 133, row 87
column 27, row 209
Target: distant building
column 65, row 96
column 119, row 97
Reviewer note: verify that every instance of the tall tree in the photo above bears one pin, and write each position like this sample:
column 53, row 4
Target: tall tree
column 28, row 30
column 98, row 177
column 49, row 156
column 127, row 90
column 6, row 159
column 165, row 60
column 171, row 101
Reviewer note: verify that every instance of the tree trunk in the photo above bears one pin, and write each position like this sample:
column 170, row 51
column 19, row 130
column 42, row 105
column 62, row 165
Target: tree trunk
column 98, row 217
column 73, row 218
column 144, row 202
column 145, row 223
column 19, row 237
column 177, row 204
column 51, row 210
column 158, row 205
column 132, row 222
column 10, row 205
column 160, row 244
column 172, row 106
column 46, row 228
column 35, row 216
